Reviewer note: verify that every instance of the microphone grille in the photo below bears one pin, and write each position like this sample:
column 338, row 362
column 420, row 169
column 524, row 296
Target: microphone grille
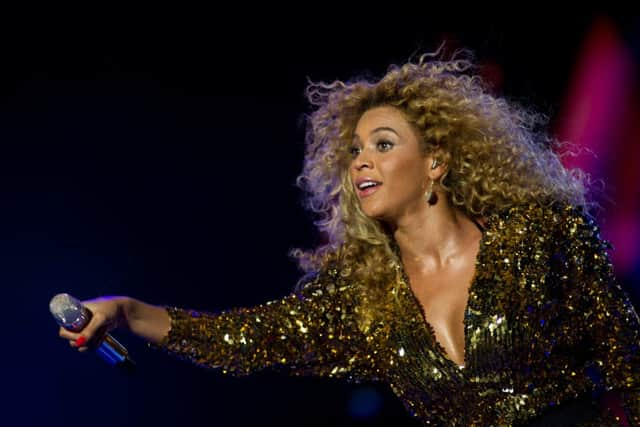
column 69, row 312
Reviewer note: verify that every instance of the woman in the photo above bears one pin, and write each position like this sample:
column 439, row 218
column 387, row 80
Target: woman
column 459, row 266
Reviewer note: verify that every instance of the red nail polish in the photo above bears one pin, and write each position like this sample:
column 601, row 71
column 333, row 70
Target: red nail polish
column 81, row 341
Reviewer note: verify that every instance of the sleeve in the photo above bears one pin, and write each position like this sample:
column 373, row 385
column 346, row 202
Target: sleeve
column 310, row 332
column 609, row 317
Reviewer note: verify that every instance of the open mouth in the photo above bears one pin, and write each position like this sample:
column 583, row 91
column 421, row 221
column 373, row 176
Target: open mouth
column 368, row 187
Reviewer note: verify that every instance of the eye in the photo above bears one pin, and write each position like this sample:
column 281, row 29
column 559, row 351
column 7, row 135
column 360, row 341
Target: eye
column 384, row 145
column 354, row 151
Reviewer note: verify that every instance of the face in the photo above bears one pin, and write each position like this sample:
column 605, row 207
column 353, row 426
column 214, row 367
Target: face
column 388, row 168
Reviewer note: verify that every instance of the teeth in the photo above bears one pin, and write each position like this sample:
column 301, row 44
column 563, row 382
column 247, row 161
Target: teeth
column 367, row 184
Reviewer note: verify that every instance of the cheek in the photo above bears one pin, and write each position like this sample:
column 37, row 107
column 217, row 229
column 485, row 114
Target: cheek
column 351, row 174
column 407, row 174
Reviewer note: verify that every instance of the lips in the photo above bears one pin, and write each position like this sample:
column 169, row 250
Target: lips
column 367, row 186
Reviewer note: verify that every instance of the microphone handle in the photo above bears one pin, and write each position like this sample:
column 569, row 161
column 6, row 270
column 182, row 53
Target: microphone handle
column 114, row 353
column 109, row 349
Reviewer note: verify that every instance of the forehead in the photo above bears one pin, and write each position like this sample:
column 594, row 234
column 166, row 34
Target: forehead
column 383, row 116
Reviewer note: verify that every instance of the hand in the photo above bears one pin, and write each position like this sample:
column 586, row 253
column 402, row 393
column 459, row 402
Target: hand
column 107, row 314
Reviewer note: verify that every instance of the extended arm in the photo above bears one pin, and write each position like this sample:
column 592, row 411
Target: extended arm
column 313, row 332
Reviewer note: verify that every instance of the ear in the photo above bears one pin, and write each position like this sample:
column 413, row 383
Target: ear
column 435, row 166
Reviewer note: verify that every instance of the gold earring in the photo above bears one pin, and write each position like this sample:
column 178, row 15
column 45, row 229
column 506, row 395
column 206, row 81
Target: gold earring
column 430, row 195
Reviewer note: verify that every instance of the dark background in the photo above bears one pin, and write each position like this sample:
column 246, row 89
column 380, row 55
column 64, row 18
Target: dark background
column 155, row 154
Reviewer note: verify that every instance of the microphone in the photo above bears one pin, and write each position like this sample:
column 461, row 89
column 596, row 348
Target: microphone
column 73, row 316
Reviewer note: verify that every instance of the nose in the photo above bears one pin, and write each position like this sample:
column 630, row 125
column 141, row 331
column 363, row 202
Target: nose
column 363, row 160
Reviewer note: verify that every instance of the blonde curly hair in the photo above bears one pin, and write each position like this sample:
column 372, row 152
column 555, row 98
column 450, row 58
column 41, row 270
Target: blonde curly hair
column 496, row 155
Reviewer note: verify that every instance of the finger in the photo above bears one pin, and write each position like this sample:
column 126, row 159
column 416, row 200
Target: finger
column 68, row 335
column 78, row 343
column 75, row 339
column 97, row 323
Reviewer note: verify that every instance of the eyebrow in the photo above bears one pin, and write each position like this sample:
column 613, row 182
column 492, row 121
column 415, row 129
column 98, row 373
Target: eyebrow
column 384, row 128
column 379, row 129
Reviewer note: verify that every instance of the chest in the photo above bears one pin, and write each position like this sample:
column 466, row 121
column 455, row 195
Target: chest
column 443, row 295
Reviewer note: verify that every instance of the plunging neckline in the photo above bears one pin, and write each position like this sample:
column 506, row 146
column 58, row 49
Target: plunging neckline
column 472, row 285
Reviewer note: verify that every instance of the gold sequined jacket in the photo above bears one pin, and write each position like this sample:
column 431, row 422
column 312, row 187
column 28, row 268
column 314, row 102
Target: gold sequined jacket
column 545, row 322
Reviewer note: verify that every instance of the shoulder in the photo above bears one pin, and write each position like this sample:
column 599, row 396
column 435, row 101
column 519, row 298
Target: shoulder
column 326, row 283
column 555, row 227
column 542, row 218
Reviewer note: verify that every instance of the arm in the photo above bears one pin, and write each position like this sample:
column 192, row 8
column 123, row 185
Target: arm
column 313, row 332
column 147, row 321
column 610, row 319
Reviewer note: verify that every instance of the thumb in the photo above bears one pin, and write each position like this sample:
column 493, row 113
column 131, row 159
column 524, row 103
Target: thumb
column 95, row 330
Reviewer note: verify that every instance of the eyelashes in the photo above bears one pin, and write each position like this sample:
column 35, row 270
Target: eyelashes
column 382, row 146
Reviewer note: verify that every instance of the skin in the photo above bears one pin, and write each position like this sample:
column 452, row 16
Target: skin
column 438, row 243
column 147, row 321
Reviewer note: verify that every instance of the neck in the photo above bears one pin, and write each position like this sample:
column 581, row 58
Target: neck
column 432, row 236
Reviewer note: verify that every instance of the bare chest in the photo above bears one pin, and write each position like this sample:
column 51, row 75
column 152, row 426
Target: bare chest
column 443, row 296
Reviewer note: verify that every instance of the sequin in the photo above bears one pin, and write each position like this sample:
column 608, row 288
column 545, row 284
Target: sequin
column 545, row 322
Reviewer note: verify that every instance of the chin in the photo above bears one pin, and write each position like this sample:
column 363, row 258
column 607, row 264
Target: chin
column 376, row 214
